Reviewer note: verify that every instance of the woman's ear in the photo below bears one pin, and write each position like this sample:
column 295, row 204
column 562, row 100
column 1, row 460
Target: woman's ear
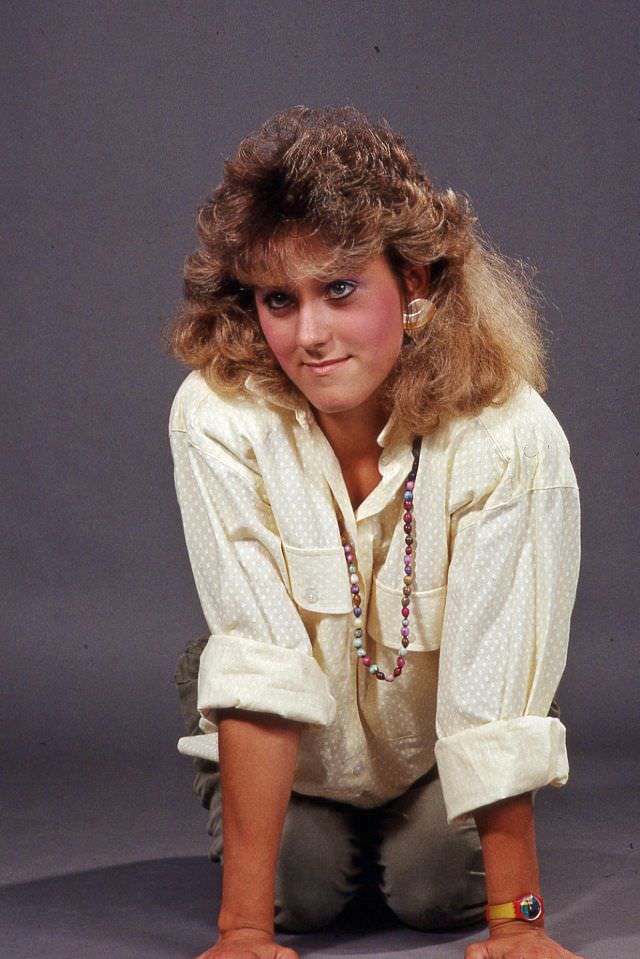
column 417, row 280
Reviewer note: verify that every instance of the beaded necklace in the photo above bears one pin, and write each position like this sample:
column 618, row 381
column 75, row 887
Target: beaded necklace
column 409, row 555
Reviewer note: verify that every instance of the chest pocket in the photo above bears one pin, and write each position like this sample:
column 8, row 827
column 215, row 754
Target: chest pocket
column 319, row 579
column 425, row 619
column 403, row 712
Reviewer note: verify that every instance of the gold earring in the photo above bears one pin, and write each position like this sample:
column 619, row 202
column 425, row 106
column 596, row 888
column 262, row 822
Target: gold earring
column 419, row 312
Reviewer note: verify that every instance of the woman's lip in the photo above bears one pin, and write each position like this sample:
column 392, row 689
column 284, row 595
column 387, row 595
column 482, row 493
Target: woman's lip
column 321, row 369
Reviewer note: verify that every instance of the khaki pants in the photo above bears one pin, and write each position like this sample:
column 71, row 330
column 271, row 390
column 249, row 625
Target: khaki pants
column 429, row 873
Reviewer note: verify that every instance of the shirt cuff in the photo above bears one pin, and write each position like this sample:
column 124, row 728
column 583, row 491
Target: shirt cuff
column 241, row 673
column 498, row 760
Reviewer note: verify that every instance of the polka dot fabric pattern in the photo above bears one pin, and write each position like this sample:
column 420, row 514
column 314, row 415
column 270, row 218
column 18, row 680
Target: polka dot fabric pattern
column 497, row 555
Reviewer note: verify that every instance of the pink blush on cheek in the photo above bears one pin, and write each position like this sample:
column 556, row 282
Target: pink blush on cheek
column 379, row 328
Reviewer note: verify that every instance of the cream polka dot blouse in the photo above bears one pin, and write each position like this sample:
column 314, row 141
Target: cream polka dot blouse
column 497, row 553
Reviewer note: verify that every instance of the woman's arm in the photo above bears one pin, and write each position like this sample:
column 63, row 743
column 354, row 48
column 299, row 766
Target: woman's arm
column 257, row 761
column 507, row 834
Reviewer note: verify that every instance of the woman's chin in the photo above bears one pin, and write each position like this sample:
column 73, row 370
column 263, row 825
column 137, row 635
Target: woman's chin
column 327, row 406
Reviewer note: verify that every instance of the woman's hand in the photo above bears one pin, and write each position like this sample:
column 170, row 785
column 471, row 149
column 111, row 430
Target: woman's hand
column 511, row 941
column 247, row 944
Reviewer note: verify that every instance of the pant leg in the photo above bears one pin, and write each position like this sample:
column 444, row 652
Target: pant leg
column 431, row 874
column 207, row 777
column 186, row 680
column 319, row 864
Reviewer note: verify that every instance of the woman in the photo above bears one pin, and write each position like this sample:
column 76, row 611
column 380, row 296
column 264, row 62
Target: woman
column 383, row 524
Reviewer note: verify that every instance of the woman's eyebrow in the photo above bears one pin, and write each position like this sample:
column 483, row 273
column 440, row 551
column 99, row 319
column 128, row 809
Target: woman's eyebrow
column 333, row 271
column 280, row 285
column 341, row 271
column 320, row 278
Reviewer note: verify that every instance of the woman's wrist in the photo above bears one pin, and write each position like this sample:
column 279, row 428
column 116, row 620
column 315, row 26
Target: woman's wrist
column 235, row 927
column 499, row 927
column 247, row 893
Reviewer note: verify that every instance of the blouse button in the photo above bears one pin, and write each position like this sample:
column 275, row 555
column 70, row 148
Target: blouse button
column 311, row 596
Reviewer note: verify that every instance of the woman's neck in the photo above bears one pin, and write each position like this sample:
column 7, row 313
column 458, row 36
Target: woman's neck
column 353, row 433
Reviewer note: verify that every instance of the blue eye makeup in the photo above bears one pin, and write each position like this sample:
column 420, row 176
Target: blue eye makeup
column 343, row 283
column 336, row 290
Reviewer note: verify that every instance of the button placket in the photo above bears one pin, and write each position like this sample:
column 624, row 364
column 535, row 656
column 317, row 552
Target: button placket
column 335, row 479
column 363, row 547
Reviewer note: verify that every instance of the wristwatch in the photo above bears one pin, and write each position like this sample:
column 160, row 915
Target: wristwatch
column 528, row 907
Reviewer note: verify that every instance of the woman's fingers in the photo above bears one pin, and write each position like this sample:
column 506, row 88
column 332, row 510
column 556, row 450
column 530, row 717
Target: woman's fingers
column 476, row 950
column 519, row 947
column 258, row 949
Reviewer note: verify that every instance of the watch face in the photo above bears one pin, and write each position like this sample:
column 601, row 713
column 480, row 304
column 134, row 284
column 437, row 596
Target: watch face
column 530, row 907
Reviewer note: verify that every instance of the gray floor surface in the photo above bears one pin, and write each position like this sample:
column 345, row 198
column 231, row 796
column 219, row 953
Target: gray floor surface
column 104, row 857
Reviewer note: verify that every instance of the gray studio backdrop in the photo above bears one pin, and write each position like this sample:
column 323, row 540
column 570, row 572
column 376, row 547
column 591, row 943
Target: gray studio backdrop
column 117, row 120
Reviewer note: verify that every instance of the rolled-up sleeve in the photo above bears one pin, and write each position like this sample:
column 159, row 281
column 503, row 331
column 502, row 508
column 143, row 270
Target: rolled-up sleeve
column 512, row 584
column 259, row 654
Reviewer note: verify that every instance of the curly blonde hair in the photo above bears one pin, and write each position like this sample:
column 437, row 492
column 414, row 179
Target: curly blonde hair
column 334, row 175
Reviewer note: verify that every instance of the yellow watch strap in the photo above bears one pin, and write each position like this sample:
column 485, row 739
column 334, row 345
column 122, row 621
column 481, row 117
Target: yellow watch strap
column 505, row 910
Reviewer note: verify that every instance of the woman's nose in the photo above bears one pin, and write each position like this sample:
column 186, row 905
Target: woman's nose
column 313, row 328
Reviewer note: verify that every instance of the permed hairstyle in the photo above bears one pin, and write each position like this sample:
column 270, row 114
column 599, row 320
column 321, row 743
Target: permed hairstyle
column 333, row 179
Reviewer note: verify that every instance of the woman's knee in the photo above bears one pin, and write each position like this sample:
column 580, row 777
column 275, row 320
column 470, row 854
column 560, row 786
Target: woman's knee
column 438, row 889
column 317, row 868
column 432, row 873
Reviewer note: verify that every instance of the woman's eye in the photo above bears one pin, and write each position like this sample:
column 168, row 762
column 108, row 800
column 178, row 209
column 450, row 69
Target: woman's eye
column 271, row 300
column 277, row 300
column 343, row 287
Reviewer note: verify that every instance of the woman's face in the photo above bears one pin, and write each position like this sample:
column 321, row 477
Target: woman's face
column 336, row 339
